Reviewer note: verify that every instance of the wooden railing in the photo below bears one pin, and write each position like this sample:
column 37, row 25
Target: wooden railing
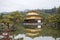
column 31, row 23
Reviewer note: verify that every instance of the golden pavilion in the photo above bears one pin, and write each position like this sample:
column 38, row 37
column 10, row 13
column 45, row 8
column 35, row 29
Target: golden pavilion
column 32, row 23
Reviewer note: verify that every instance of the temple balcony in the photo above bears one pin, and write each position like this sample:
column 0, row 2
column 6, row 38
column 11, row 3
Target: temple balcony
column 31, row 23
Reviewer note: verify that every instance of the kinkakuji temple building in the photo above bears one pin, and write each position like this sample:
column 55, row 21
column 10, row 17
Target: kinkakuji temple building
column 32, row 23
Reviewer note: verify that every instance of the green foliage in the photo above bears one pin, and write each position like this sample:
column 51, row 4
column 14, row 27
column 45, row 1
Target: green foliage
column 13, row 18
column 16, row 18
column 21, row 38
column 59, row 10
column 48, row 31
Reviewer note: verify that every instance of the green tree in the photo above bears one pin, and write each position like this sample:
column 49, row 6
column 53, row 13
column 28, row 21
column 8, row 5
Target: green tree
column 59, row 10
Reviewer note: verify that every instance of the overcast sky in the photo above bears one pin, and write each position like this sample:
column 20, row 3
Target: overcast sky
column 13, row 5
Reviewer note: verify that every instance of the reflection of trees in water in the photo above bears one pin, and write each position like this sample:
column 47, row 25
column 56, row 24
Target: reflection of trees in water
column 50, row 32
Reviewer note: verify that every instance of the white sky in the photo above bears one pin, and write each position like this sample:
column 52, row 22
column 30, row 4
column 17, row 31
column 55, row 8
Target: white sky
column 13, row 5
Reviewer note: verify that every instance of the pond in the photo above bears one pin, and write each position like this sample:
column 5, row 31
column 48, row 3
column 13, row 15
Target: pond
column 46, row 33
column 36, row 38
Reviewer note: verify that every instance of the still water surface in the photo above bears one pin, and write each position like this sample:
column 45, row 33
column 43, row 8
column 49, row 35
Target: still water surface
column 36, row 38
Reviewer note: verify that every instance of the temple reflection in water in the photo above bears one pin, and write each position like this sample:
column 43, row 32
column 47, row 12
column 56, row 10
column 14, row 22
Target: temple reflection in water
column 32, row 23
